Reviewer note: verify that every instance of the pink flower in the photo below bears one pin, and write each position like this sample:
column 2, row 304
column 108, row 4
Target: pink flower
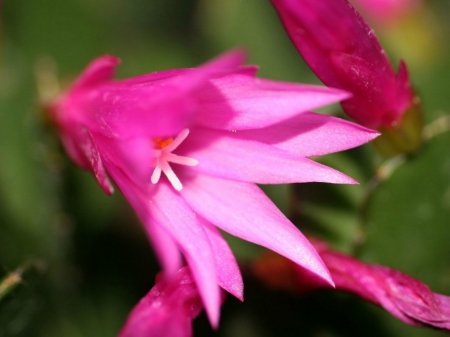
column 404, row 297
column 167, row 310
column 344, row 53
column 186, row 148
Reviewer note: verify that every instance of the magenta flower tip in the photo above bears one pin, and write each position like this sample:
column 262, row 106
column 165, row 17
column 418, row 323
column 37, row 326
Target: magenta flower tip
column 344, row 53
column 101, row 69
column 167, row 310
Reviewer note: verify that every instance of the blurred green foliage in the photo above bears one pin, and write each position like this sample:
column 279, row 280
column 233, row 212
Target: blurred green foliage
column 85, row 255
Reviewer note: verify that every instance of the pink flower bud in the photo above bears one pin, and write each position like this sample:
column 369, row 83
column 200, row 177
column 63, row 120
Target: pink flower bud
column 344, row 53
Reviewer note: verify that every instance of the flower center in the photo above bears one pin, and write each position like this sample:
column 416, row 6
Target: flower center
column 163, row 156
column 161, row 143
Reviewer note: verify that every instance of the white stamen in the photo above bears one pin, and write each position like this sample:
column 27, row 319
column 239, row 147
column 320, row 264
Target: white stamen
column 156, row 174
column 173, row 158
column 165, row 156
column 176, row 183
column 177, row 141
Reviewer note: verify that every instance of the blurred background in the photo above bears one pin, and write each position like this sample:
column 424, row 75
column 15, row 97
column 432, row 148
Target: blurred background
column 83, row 257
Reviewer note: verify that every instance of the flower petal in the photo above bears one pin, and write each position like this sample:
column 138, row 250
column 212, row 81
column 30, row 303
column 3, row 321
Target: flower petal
column 170, row 210
column 161, row 106
column 344, row 53
column 253, row 217
column 228, row 156
column 403, row 296
column 167, row 310
column 82, row 148
column 342, row 31
column 412, row 297
column 165, row 247
column 164, row 107
column 99, row 70
column 228, row 272
column 243, row 102
column 133, row 156
column 312, row 134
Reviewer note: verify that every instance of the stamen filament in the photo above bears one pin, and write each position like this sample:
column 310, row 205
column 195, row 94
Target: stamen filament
column 164, row 156
column 156, row 175
column 177, row 141
column 176, row 183
column 173, row 158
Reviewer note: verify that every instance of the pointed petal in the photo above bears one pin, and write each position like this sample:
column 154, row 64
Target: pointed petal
column 405, row 94
column 100, row 70
column 412, row 297
column 444, row 304
column 228, row 272
column 170, row 210
column 243, row 210
column 343, row 31
column 243, row 102
column 152, row 109
column 185, row 79
column 228, row 156
column 165, row 247
column 158, row 107
column 83, row 149
column 134, row 156
column 167, row 310
column 403, row 296
column 230, row 61
column 311, row 134
column 344, row 53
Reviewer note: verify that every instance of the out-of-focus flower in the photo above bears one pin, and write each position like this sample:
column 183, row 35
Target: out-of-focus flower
column 186, row 148
column 386, row 11
column 344, row 53
column 403, row 296
column 167, row 310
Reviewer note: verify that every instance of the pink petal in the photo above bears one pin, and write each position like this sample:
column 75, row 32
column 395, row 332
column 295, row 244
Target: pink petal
column 162, row 107
column 83, row 150
column 444, row 304
column 253, row 217
column 167, row 310
column 374, row 96
column 133, row 156
column 234, row 58
column 169, row 209
column 243, row 102
column 97, row 166
column 403, row 296
column 228, row 272
column 411, row 296
column 344, row 53
column 102, row 69
column 165, row 247
column 352, row 275
column 152, row 109
column 312, row 134
column 320, row 28
column 228, row 156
